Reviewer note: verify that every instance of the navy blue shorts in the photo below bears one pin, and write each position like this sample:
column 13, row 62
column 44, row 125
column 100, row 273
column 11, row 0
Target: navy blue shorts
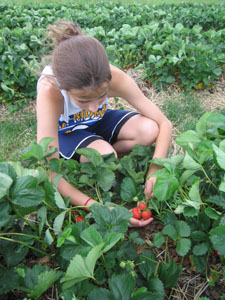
column 105, row 129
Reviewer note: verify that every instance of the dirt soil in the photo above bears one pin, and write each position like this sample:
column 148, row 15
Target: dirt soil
column 191, row 284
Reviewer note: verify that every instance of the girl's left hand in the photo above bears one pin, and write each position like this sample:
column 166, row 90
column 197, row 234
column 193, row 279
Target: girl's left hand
column 149, row 187
column 139, row 223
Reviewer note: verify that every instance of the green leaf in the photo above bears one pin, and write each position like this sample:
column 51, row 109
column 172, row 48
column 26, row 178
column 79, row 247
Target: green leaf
column 115, row 220
column 219, row 200
column 183, row 246
column 110, row 240
column 105, row 178
column 26, row 193
column 183, row 229
column 212, row 213
column 188, row 137
column 209, row 123
column 42, row 218
column 134, row 236
column 8, row 279
column 186, row 175
column 217, row 237
column 158, row 239
column 122, row 286
column 5, row 217
column 147, row 263
column 48, row 237
column 59, row 200
column 201, row 249
column 199, row 236
column 194, row 196
column 170, row 231
column 8, row 169
column 58, row 223
column 222, row 185
column 190, row 211
column 9, row 248
column 200, row 262
column 5, row 184
column 91, row 236
column 128, row 189
column 173, row 270
column 45, row 280
column 81, row 268
column 190, row 164
column 201, row 124
column 165, row 187
column 156, row 287
column 100, row 293
column 67, row 295
column 45, row 142
column 34, row 151
column 91, row 154
column 220, row 156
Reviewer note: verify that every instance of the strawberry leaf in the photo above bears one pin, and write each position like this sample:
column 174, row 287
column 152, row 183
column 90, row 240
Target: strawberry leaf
column 171, row 268
column 217, row 237
column 128, row 189
column 183, row 246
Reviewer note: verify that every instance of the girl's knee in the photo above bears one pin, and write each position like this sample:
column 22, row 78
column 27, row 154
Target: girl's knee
column 148, row 131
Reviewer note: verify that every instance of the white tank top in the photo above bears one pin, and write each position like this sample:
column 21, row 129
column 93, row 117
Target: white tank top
column 74, row 117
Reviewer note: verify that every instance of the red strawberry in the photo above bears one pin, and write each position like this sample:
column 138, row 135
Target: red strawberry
column 146, row 214
column 217, row 253
column 79, row 219
column 142, row 205
column 136, row 213
column 148, row 82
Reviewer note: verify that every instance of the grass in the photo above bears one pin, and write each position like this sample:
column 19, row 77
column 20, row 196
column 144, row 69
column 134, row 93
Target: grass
column 17, row 131
column 183, row 111
column 24, row 2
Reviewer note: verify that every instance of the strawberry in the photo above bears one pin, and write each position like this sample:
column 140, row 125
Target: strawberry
column 146, row 214
column 79, row 219
column 142, row 205
column 217, row 253
column 148, row 82
column 136, row 213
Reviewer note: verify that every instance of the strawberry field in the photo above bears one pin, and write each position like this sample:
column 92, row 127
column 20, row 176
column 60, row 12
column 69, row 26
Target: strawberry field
column 179, row 44
column 51, row 250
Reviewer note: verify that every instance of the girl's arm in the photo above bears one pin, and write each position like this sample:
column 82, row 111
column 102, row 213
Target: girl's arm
column 125, row 87
column 49, row 106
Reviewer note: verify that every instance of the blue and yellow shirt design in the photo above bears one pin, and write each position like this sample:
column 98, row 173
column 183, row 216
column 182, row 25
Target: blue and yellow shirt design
column 81, row 120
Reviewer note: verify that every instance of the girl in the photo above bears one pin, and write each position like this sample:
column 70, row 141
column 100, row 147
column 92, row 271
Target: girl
column 72, row 95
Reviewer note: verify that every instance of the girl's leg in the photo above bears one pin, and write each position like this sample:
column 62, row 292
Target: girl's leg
column 137, row 130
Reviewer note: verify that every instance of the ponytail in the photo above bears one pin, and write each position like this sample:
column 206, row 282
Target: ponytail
column 63, row 30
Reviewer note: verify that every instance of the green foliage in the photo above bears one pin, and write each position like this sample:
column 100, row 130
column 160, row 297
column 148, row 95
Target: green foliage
column 98, row 257
column 180, row 43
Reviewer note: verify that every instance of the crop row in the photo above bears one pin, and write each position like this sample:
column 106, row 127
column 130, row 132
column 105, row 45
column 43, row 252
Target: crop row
column 112, row 15
column 170, row 43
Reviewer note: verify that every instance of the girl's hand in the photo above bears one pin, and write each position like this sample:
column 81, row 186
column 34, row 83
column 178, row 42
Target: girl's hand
column 140, row 223
column 149, row 187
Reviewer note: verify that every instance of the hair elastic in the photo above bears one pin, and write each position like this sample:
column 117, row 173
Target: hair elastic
column 86, row 202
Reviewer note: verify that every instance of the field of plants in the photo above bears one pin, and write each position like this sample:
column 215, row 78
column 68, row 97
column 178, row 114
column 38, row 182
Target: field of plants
column 52, row 250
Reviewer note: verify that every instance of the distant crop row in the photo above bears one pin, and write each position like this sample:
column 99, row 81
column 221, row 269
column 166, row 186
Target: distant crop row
column 171, row 43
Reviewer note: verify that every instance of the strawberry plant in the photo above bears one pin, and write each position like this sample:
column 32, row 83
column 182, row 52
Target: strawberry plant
column 37, row 222
column 195, row 191
column 172, row 43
